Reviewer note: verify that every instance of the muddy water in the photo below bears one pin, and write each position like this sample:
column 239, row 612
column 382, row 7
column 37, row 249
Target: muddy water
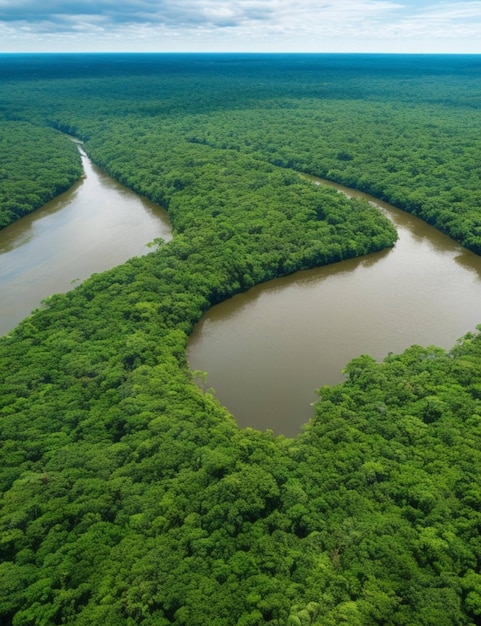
column 94, row 226
column 266, row 351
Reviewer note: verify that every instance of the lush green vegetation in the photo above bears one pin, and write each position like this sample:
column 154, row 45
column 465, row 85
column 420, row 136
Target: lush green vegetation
column 129, row 495
column 37, row 165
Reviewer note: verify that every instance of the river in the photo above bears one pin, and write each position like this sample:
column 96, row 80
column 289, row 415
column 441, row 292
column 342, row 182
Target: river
column 265, row 351
column 94, row 226
column 268, row 350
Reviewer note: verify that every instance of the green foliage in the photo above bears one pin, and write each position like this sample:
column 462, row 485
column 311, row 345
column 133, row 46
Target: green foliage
column 128, row 494
column 37, row 165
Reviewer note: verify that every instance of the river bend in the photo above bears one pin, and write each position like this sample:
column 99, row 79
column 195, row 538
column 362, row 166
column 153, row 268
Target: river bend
column 267, row 350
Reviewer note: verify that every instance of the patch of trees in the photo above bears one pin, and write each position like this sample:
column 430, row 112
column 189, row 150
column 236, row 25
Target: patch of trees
column 128, row 493
column 423, row 159
column 37, row 165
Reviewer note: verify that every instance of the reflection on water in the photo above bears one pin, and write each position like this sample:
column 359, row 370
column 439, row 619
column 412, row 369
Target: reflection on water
column 267, row 351
column 465, row 260
column 94, row 226
column 23, row 231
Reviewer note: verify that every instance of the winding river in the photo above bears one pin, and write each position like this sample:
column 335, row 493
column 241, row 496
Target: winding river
column 266, row 351
column 94, row 226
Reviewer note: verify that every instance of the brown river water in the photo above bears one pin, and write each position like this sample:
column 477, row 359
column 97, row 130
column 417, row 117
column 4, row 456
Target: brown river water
column 268, row 350
column 94, row 226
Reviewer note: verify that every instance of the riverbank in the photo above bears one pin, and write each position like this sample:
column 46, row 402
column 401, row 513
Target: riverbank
column 38, row 164
column 267, row 350
column 94, row 226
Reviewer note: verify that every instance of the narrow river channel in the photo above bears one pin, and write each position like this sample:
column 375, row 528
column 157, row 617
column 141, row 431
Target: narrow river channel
column 268, row 350
column 94, row 226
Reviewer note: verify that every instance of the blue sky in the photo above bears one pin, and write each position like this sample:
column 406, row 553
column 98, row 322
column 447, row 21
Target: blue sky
column 241, row 25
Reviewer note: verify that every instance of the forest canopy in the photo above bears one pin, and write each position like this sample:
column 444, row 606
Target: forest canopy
column 128, row 493
column 37, row 165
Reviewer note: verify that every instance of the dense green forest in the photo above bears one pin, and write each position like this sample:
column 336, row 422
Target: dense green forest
column 128, row 493
column 37, row 165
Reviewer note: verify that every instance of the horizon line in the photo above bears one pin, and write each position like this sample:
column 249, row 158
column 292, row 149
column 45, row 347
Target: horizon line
column 232, row 52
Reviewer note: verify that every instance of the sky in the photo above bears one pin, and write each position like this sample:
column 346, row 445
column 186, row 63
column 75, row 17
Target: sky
column 392, row 26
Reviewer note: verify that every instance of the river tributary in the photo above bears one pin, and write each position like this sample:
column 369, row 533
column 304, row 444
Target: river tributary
column 94, row 226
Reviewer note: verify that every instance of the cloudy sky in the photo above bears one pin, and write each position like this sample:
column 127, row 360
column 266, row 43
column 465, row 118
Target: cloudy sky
column 241, row 25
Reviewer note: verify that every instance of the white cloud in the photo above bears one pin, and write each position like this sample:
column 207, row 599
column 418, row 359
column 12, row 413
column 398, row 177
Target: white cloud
column 317, row 25
column 448, row 21
column 452, row 11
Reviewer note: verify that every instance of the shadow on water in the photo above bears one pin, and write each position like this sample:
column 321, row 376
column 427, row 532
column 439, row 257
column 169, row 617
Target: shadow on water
column 22, row 231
